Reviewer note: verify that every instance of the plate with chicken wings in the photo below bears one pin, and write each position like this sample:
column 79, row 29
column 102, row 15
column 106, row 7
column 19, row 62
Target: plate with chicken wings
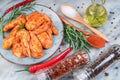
column 31, row 37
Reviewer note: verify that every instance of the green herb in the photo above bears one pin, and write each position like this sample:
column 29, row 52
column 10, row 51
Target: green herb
column 14, row 13
column 22, row 26
column 75, row 38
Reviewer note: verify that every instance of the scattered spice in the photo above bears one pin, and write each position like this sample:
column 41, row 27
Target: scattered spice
column 101, row 51
column 112, row 12
column 115, row 27
column 106, row 74
column 111, row 22
column 41, row 10
column 113, row 18
column 115, row 38
column 50, row 8
column 54, row 4
column 83, row 3
column 59, row 50
column 116, row 67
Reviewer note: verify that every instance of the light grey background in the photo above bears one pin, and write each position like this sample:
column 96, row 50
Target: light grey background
column 112, row 31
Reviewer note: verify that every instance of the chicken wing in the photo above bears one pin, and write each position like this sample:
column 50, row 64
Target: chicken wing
column 54, row 29
column 17, row 49
column 49, row 32
column 45, row 40
column 44, row 27
column 34, row 20
column 20, row 19
column 35, row 46
column 8, row 40
column 24, row 41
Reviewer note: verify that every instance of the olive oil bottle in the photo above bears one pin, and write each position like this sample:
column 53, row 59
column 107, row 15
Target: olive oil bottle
column 96, row 15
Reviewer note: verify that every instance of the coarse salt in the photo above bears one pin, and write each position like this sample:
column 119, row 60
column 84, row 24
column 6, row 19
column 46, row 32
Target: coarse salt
column 67, row 10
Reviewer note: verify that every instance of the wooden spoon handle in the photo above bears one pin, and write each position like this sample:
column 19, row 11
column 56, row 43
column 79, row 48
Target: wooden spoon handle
column 67, row 22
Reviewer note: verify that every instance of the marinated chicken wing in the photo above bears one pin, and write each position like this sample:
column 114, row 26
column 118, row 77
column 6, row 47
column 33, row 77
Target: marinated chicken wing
column 8, row 41
column 45, row 40
column 20, row 19
column 24, row 41
column 49, row 32
column 44, row 27
column 35, row 46
column 34, row 20
column 54, row 29
column 17, row 49
column 30, row 16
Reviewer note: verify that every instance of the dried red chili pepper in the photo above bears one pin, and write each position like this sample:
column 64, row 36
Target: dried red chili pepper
column 54, row 60
column 18, row 5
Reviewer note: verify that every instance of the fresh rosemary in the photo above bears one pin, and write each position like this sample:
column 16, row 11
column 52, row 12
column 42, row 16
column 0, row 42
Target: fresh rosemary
column 14, row 13
column 75, row 38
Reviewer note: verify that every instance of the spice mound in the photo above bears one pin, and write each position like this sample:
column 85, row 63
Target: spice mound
column 29, row 34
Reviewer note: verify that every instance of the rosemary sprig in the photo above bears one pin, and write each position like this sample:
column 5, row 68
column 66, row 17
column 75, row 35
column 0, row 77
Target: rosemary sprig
column 14, row 13
column 75, row 38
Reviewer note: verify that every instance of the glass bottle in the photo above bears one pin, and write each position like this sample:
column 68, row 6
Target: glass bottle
column 63, row 67
column 107, row 58
column 96, row 13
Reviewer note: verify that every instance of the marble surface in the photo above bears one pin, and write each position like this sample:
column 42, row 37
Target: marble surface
column 111, row 29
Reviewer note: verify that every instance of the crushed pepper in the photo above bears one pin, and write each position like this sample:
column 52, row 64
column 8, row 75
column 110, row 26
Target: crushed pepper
column 68, row 64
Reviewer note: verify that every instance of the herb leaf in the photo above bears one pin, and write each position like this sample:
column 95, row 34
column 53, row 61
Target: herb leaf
column 22, row 26
column 75, row 38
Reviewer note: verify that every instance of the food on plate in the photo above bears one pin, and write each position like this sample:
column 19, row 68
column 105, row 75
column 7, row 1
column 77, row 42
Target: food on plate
column 34, row 20
column 54, row 29
column 35, row 46
column 17, row 49
column 29, row 34
column 25, row 39
column 42, row 28
column 45, row 40
column 49, row 32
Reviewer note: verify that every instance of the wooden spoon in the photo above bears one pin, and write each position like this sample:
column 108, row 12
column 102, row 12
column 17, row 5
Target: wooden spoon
column 70, row 12
column 92, row 39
